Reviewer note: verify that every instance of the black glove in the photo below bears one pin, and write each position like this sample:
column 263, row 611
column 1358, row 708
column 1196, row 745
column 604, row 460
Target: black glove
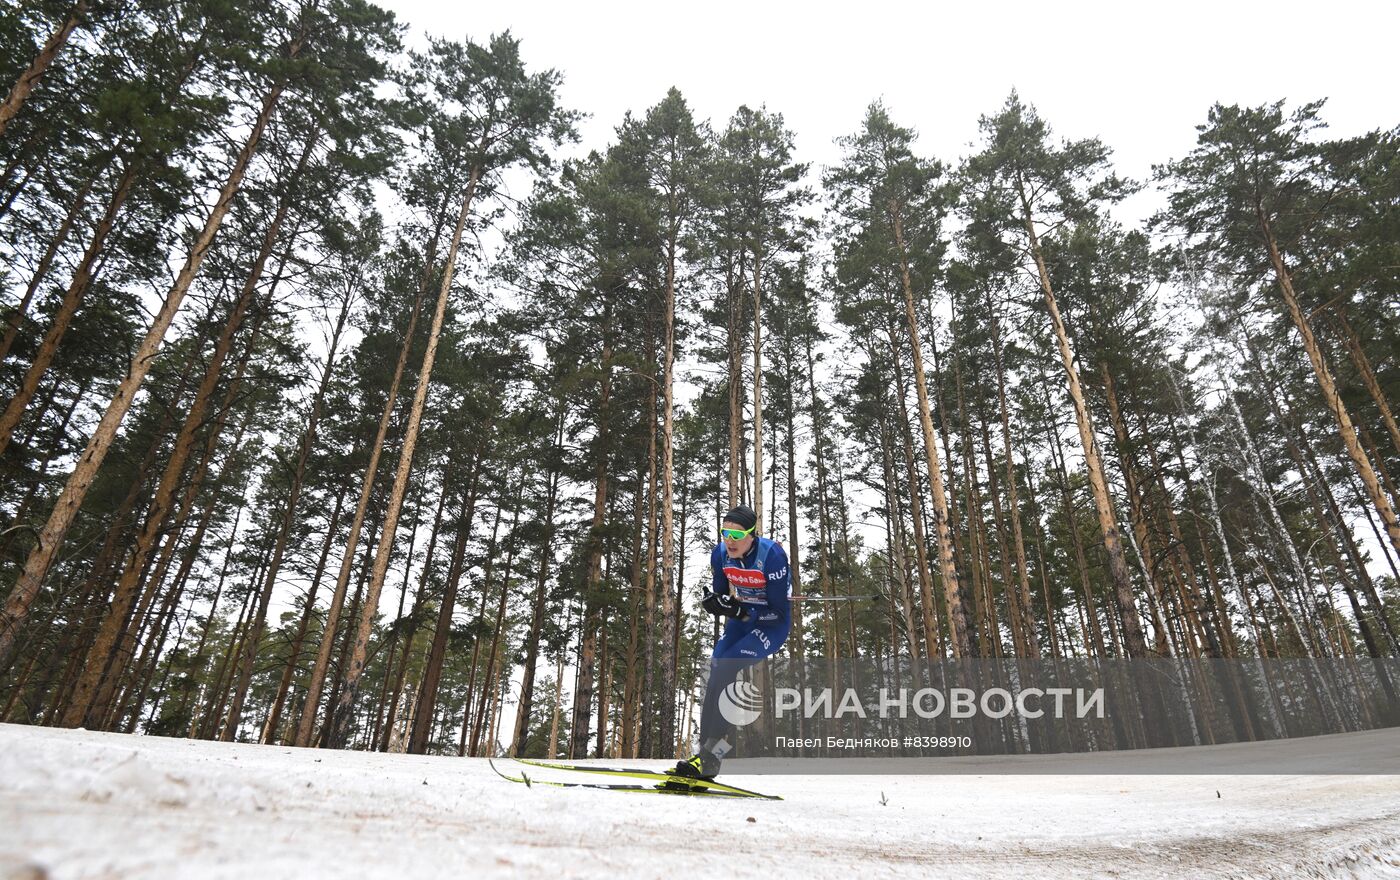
column 722, row 603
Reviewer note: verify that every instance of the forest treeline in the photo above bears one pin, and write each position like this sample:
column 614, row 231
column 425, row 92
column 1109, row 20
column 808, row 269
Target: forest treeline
column 341, row 409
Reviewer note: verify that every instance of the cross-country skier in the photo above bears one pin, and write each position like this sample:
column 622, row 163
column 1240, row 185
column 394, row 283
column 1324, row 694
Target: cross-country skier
column 751, row 586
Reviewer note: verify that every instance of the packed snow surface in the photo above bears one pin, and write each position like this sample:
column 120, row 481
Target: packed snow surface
column 77, row 804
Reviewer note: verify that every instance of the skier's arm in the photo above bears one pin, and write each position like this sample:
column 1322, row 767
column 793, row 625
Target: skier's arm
column 719, row 584
column 779, row 575
column 718, row 600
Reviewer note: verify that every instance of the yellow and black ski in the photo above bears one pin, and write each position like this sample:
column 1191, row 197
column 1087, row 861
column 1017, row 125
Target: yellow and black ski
column 662, row 788
column 665, row 783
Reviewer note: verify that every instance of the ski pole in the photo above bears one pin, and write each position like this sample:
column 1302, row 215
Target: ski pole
column 872, row 597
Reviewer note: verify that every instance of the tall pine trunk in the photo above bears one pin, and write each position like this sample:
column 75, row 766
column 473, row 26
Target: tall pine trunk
column 1134, row 641
column 537, row 603
column 961, row 640
column 488, row 690
column 1368, row 378
column 437, row 651
column 669, row 611
column 1329, row 389
column 736, row 406
column 583, row 691
column 647, row 737
column 929, row 615
column 284, row 686
column 794, row 544
column 757, row 387
column 1013, row 499
column 633, row 679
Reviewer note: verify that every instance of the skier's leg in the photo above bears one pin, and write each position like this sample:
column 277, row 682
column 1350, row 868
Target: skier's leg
column 732, row 656
column 722, row 674
column 742, row 645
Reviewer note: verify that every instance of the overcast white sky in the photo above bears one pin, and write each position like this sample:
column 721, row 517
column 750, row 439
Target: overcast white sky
column 1140, row 76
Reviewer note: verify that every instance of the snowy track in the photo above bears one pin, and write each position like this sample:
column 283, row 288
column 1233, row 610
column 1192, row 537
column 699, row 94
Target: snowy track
column 75, row 804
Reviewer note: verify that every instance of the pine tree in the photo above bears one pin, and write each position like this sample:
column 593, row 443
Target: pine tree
column 1022, row 188
column 891, row 205
column 1247, row 196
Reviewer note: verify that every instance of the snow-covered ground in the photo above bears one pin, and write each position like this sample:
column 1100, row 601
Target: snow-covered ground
column 92, row 805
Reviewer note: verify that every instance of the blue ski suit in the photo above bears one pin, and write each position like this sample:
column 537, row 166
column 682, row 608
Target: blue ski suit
column 762, row 582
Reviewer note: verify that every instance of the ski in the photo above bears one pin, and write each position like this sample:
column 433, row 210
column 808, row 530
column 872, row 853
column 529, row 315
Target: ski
column 635, row 789
column 658, row 776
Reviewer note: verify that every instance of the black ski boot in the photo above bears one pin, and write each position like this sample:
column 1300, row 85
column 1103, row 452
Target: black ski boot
column 701, row 765
column 698, row 768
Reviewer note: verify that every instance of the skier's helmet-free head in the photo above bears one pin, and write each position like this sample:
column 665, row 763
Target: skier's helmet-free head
column 738, row 530
column 742, row 516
